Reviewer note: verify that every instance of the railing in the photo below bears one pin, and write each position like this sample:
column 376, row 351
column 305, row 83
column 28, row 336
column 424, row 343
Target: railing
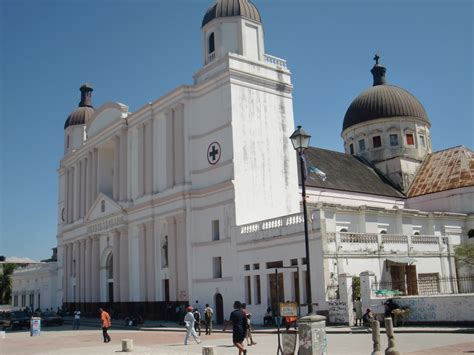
column 275, row 60
column 358, row 238
column 429, row 284
column 273, row 223
column 211, row 57
column 424, row 239
column 372, row 238
column 394, row 239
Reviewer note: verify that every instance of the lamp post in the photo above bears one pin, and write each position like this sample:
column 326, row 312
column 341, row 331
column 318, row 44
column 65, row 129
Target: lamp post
column 300, row 140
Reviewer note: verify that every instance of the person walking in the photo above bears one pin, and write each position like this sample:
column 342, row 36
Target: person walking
column 197, row 321
column 106, row 324
column 189, row 323
column 208, row 313
column 248, row 315
column 239, row 327
column 77, row 320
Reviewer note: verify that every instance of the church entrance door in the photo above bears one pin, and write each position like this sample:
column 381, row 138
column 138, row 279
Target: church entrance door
column 219, row 308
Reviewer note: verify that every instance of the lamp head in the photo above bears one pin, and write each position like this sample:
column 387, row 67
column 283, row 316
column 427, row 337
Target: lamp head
column 300, row 139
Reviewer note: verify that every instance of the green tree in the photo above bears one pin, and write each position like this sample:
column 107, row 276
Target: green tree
column 465, row 254
column 6, row 282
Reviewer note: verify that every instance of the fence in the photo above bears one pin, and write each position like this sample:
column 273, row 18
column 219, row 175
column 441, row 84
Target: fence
column 427, row 284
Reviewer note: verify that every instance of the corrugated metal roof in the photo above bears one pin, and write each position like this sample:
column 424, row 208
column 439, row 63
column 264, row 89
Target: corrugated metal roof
column 346, row 172
column 444, row 170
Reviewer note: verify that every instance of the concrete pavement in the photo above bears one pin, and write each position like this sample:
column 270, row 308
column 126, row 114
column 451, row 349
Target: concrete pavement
column 63, row 340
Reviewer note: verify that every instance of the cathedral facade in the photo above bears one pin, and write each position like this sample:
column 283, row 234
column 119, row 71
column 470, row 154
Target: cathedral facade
column 195, row 196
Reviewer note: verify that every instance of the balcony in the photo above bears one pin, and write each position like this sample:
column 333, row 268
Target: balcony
column 275, row 61
column 385, row 243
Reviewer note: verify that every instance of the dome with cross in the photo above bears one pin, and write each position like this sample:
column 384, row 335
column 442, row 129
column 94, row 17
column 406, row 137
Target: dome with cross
column 383, row 101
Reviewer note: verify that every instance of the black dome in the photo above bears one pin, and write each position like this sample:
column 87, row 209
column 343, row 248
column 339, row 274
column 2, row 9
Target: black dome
column 383, row 101
column 230, row 8
column 85, row 111
column 79, row 116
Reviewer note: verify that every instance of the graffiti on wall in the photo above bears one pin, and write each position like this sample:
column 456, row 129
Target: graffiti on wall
column 338, row 312
column 420, row 309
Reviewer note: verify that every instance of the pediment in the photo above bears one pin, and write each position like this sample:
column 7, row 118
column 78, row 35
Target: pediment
column 105, row 116
column 102, row 207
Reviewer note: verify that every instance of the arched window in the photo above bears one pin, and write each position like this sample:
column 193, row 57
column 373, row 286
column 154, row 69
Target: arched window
column 211, row 45
column 343, row 230
column 110, row 266
column 417, row 233
column 383, row 231
column 102, row 206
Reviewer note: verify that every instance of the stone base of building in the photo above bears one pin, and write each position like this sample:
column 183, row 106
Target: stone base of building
column 121, row 310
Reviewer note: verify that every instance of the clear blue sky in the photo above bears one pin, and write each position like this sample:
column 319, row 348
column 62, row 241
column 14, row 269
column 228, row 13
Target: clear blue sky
column 136, row 51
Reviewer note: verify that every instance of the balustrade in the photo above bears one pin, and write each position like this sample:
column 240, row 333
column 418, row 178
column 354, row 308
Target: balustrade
column 275, row 60
column 424, row 239
column 365, row 238
column 394, row 239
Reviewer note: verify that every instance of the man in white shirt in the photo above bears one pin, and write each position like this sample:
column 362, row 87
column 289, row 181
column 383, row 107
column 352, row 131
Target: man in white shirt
column 208, row 313
column 77, row 319
column 189, row 323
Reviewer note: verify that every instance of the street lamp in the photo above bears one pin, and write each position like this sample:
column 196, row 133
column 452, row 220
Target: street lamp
column 300, row 140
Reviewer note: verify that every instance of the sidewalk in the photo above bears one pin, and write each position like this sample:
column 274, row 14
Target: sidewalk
column 168, row 326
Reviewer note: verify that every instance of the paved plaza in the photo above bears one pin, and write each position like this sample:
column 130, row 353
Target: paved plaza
column 88, row 340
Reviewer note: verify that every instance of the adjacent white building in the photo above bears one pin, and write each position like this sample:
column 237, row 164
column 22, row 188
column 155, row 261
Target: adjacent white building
column 195, row 195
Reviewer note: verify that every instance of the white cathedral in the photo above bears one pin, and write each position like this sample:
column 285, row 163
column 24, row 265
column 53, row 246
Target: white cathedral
column 197, row 196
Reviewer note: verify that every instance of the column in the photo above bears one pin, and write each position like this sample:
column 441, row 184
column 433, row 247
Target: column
column 181, row 256
column 172, row 259
column 170, row 155
column 75, row 272
column 66, row 195
column 148, row 157
column 87, row 183
column 69, row 268
column 95, row 165
column 83, row 187
column 150, row 261
column 80, row 272
column 95, row 269
column 116, row 165
column 70, row 194
column 141, row 160
column 157, row 257
column 65, row 272
column 123, row 165
column 116, row 264
column 142, row 261
column 88, row 260
column 76, row 190
column 345, row 307
column 124, row 278
column 366, row 280
column 89, row 180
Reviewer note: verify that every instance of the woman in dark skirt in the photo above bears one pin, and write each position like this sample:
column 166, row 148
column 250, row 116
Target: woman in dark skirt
column 239, row 327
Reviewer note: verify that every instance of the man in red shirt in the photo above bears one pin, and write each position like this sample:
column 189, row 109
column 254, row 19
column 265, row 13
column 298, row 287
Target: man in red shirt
column 105, row 317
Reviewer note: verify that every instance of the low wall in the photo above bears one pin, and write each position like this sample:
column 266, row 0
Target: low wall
column 442, row 308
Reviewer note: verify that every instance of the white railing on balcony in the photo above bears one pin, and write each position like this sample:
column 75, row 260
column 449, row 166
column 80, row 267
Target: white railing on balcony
column 211, row 57
column 346, row 237
column 424, row 239
column 365, row 238
column 394, row 239
column 273, row 223
column 275, row 60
